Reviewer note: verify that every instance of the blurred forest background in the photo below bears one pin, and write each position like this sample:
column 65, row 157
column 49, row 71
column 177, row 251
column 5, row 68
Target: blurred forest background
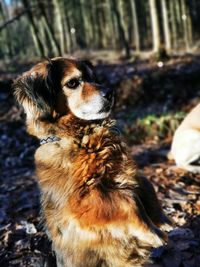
column 30, row 28
column 148, row 51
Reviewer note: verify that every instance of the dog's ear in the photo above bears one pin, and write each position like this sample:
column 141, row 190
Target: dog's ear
column 36, row 92
column 87, row 69
column 88, row 64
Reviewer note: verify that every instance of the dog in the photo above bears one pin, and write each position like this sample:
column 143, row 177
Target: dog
column 98, row 212
column 185, row 149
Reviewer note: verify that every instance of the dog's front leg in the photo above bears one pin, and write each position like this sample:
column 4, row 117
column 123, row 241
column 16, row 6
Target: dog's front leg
column 59, row 259
column 143, row 227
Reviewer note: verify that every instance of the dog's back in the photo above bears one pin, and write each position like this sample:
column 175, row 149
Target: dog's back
column 185, row 148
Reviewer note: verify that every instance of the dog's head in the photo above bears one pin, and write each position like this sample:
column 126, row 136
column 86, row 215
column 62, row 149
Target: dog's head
column 59, row 86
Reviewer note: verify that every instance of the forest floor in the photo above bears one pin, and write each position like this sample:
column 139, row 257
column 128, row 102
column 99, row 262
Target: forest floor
column 151, row 100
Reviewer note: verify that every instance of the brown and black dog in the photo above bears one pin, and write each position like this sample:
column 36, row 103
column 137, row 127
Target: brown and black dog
column 97, row 211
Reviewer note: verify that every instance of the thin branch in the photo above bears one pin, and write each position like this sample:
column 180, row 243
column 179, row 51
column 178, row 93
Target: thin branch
column 4, row 25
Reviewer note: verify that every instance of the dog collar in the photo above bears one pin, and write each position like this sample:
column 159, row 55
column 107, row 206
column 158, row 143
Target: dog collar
column 54, row 138
column 49, row 139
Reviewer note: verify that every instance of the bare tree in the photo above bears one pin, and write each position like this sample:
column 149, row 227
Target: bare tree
column 5, row 16
column 166, row 29
column 120, row 28
column 187, row 25
column 135, row 25
column 154, row 25
column 49, row 25
column 34, row 28
column 173, row 23
column 58, row 25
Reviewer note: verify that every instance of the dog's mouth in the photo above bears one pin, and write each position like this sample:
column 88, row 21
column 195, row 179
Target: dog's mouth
column 107, row 108
column 101, row 114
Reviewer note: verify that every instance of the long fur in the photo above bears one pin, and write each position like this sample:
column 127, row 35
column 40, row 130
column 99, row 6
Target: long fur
column 98, row 211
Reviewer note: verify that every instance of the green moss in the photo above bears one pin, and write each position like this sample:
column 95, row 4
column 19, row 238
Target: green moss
column 153, row 127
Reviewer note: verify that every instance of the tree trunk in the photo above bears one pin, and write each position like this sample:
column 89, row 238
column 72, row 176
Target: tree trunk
column 71, row 43
column 34, row 27
column 122, row 13
column 94, row 24
column 104, row 25
column 120, row 28
column 99, row 26
column 185, row 25
column 50, row 27
column 49, row 45
column 59, row 26
column 110, row 33
column 66, row 38
column 167, row 36
column 155, row 26
column 86, row 10
column 173, row 24
column 5, row 14
column 179, row 19
column 79, row 22
column 189, row 25
column 135, row 25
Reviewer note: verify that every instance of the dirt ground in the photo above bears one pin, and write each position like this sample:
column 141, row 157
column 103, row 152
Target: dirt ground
column 142, row 88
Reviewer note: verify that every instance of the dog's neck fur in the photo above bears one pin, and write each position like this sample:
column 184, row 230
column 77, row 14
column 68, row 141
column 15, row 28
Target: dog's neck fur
column 68, row 125
column 71, row 126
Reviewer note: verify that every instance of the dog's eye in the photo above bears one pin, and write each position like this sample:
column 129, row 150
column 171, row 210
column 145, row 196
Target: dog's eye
column 73, row 83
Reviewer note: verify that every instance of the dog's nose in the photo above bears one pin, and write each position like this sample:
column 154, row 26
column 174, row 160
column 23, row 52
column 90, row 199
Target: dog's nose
column 107, row 93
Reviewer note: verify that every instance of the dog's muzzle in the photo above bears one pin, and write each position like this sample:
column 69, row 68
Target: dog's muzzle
column 108, row 94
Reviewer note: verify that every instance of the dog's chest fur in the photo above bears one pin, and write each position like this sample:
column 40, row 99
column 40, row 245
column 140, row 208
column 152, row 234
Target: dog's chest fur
column 87, row 184
column 82, row 172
